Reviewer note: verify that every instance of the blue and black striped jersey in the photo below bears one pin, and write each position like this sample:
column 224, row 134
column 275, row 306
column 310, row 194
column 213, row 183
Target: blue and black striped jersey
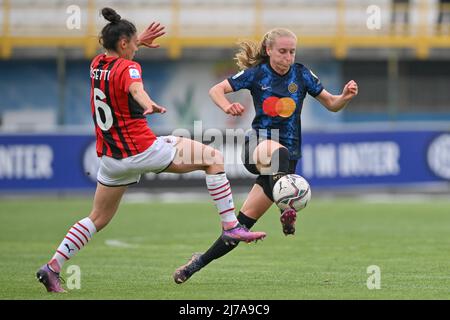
column 278, row 101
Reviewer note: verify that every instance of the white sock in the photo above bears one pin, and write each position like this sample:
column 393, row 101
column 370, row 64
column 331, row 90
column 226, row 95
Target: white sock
column 77, row 237
column 220, row 190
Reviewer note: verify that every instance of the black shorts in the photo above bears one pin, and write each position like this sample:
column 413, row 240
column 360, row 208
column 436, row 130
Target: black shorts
column 262, row 180
column 249, row 147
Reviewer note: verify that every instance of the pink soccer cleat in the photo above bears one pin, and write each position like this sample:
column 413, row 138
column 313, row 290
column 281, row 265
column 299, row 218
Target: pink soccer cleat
column 288, row 217
column 241, row 233
column 50, row 279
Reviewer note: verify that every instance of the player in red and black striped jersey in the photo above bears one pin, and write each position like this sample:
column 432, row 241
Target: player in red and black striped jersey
column 120, row 124
column 127, row 147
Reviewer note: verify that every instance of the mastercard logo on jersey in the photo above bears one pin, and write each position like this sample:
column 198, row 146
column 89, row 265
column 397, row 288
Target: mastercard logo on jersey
column 282, row 107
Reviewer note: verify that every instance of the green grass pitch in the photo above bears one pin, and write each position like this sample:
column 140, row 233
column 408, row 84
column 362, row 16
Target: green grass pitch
column 336, row 241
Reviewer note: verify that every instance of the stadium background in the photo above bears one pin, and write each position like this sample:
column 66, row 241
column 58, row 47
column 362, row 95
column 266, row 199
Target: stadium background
column 402, row 69
column 394, row 137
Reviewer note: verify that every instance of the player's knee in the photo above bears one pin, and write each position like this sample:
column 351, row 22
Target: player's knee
column 262, row 157
column 269, row 156
column 277, row 162
column 213, row 157
column 218, row 157
column 280, row 160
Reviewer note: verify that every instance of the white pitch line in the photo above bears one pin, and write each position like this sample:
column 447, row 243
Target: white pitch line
column 119, row 244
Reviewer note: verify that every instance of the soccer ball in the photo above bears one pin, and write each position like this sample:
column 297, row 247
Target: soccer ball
column 291, row 191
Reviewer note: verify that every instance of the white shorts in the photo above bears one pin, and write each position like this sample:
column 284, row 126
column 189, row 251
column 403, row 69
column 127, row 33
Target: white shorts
column 122, row 172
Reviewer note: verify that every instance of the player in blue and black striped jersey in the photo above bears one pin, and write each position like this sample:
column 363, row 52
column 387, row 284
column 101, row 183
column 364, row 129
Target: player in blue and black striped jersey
column 271, row 150
column 278, row 100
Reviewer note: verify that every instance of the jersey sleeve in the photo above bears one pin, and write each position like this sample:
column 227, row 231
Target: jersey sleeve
column 242, row 79
column 312, row 82
column 131, row 73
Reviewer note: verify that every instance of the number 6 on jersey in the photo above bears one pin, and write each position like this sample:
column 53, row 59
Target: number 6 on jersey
column 106, row 124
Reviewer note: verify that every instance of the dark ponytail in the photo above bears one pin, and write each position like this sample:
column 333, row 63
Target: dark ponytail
column 110, row 15
column 116, row 29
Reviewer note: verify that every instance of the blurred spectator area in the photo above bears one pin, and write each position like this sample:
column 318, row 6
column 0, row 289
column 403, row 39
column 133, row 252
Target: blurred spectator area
column 402, row 65
column 32, row 94
column 337, row 25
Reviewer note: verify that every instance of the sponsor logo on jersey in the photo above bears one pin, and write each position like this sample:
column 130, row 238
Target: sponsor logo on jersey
column 279, row 107
column 134, row 74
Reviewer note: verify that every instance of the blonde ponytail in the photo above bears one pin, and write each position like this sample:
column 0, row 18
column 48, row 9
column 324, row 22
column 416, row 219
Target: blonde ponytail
column 251, row 53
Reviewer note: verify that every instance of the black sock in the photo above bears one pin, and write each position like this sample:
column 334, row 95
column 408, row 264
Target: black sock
column 219, row 248
column 279, row 165
column 245, row 220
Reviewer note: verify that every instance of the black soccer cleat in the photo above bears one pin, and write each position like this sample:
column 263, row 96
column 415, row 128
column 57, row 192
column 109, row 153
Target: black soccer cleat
column 183, row 273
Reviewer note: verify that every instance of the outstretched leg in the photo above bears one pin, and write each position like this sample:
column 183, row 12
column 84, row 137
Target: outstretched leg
column 272, row 160
column 192, row 155
column 106, row 202
column 256, row 204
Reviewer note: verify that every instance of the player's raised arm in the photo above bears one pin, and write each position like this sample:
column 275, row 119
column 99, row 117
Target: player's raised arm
column 336, row 103
column 154, row 31
column 144, row 100
column 217, row 94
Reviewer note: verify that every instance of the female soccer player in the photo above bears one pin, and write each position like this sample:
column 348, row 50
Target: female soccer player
column 272, row 149
column 129, row 148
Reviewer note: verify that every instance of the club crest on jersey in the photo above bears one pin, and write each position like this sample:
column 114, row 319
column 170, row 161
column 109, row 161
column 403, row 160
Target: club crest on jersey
column 293, row 87
column 134, row 74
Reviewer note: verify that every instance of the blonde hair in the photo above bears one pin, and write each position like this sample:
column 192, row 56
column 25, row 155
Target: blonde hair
column 252, row 53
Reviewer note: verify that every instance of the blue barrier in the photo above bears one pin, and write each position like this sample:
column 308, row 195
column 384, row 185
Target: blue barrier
column 330, row 159
column 43, row 162
column 375, row 158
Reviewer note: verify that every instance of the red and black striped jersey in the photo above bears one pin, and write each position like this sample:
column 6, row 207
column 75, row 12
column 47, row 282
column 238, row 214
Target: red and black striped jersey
column 120, row 125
